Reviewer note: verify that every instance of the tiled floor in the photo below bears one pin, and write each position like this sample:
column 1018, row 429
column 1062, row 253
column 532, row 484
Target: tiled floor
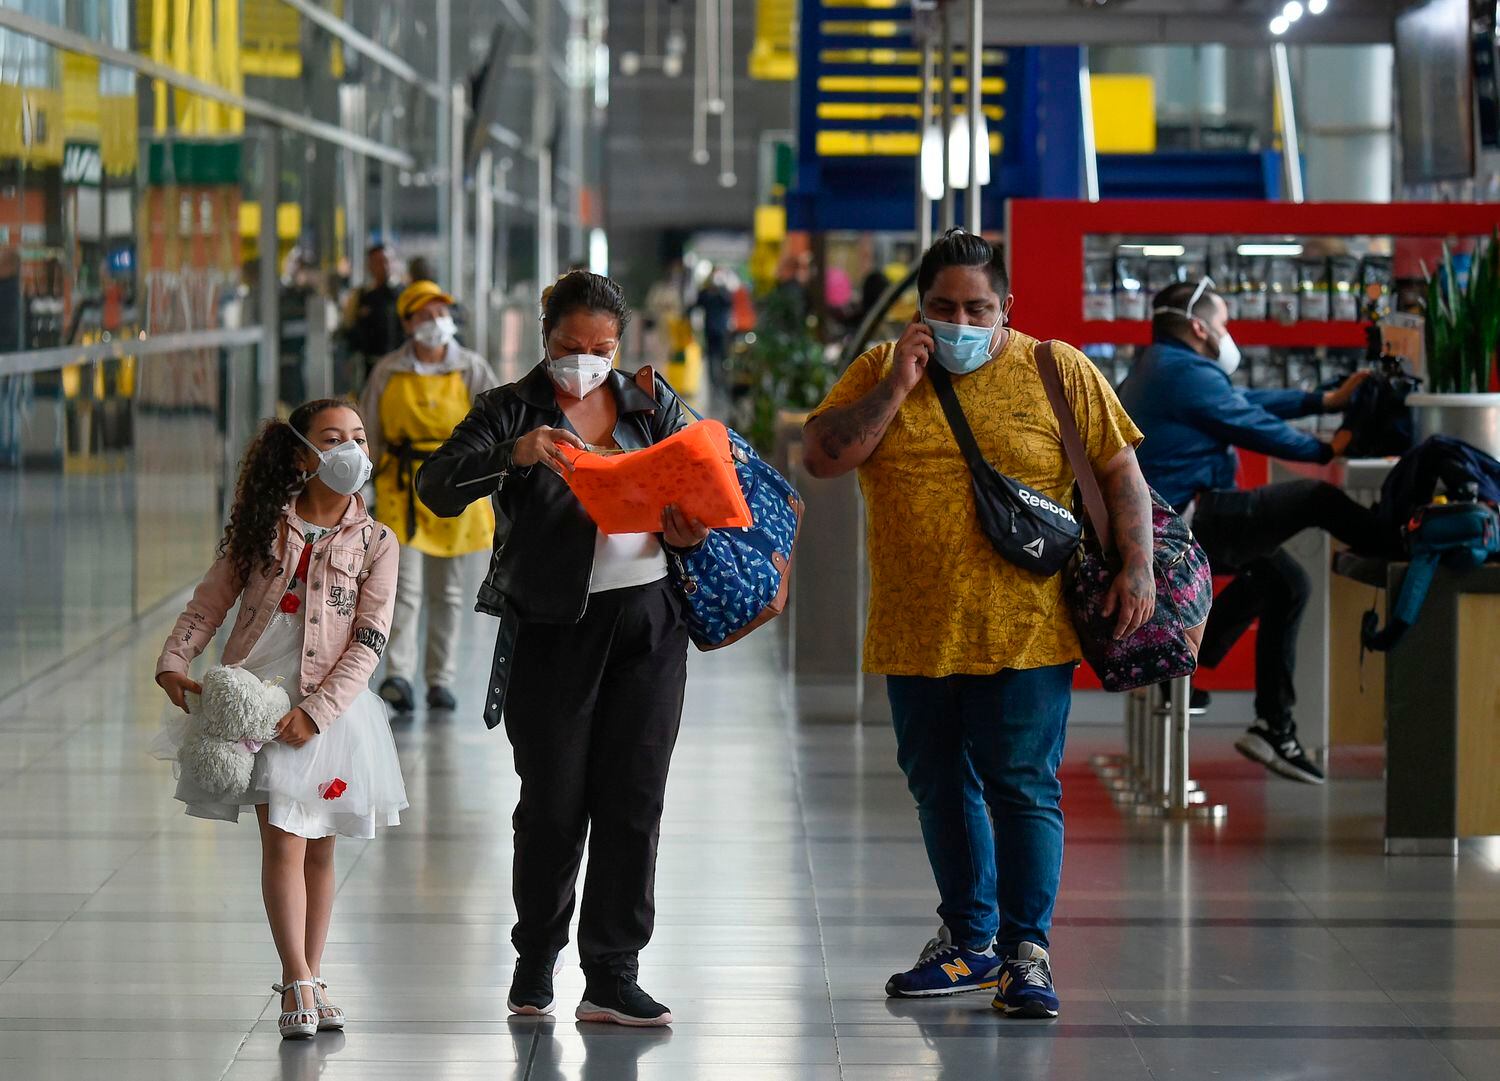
column 791, row 883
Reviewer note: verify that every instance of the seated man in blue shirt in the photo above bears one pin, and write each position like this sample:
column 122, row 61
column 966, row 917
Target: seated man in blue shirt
column 1180, row 395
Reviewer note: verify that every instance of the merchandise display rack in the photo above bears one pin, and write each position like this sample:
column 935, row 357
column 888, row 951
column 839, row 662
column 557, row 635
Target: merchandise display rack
column 1046, row 241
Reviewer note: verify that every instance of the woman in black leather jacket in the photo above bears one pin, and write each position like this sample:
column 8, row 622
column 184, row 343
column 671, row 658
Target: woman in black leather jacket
column 591, row 657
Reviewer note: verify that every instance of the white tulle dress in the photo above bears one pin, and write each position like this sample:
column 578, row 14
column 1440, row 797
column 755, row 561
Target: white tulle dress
column 357, row 749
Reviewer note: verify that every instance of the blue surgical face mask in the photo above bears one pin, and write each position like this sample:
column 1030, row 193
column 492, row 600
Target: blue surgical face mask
column 962, row 349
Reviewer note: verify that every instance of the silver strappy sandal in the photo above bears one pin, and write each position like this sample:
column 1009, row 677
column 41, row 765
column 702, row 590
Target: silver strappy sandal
column 329, row 1017
column 302, row 1022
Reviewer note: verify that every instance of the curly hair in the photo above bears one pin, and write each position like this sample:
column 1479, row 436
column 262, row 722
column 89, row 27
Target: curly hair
column 269, row 477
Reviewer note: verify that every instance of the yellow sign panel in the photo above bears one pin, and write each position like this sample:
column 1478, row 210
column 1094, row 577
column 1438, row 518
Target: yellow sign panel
column 1124, row 114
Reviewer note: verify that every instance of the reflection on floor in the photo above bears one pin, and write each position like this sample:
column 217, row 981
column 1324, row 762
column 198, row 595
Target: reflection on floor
column 792, row 882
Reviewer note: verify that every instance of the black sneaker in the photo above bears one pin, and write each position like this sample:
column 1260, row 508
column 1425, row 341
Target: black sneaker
column 441, row 698
column 398, row 695
column 619, row 1000
column 1279, row 752
column 531, row 989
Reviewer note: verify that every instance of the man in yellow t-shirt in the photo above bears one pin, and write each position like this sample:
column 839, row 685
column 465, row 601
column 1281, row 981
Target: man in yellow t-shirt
column 978, row 653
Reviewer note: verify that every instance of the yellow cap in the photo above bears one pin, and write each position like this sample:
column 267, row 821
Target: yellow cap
column 417, row 295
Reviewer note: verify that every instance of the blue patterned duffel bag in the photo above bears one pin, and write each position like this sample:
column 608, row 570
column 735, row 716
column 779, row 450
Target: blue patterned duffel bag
column 737, row 579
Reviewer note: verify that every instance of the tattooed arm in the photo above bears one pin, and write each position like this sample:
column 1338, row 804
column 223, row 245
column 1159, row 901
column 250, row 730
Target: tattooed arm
column 844, row 437
column 1133, row 595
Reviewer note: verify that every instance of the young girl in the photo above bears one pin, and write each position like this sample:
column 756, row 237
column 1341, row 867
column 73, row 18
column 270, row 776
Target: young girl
column 315, row 579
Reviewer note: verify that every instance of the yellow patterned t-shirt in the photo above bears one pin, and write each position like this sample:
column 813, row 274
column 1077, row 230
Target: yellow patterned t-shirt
column 942, row 600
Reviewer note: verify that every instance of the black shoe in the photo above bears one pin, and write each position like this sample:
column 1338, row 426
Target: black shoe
column 531, row 989
column 398, row 694
column 1279, row 752
column 441, row 698
column 619, row 1000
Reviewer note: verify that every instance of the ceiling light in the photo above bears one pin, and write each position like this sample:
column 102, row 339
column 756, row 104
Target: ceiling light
column 1279, row 25
column 1269, row 249
column 1317, row 7
column 1293, row 11
column 1156, row 251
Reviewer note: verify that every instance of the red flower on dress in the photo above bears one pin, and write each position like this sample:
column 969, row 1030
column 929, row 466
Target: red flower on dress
column 333, row 789
column 290, row 602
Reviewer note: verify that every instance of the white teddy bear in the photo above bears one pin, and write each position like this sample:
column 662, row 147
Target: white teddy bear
column 235, row 714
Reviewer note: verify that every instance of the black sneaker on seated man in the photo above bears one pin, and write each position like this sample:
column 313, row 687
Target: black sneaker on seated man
column 1279, row 751
column 619, row 1000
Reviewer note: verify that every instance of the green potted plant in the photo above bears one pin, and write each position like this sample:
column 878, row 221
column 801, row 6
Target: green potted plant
column 781, row 367
column 1462, row 331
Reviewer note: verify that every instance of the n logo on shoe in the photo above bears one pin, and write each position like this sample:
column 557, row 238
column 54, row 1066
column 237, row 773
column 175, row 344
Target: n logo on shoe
column 1035, row 547
column 1005, row 981
column 956, row 969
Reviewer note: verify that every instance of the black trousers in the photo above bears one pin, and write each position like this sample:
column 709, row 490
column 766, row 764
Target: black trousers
column 1242, row 532
column 592, row 713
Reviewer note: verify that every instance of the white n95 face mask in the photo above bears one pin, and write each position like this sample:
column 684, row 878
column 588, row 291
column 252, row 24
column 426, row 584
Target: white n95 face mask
column 1228, row 359
column 345, row 468
column 436, row 333
column 579, row 374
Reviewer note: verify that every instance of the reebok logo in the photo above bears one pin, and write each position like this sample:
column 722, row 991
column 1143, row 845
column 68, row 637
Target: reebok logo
column 1035, row 547
column 1034, row 500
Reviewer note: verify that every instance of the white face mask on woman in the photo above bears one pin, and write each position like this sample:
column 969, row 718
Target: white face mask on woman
column 344, row 469
column 436, row 333
column 579, row 374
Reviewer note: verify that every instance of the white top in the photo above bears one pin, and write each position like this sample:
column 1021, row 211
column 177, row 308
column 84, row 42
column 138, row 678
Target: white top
column 624, row 560
column 277, row 653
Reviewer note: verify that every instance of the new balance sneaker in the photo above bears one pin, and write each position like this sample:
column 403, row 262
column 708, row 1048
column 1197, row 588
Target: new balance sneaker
column 945, row 969
column 619, row 1000
column 1279, row 752
column 1026, row 984
column 531, row 988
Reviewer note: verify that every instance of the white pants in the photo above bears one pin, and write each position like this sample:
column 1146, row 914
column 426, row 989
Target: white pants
column 441, row 583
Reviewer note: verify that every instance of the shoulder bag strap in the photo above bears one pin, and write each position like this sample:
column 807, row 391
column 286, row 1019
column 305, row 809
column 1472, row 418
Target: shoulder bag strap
column 1078, row 458
column 942, row 382
column 645, row 379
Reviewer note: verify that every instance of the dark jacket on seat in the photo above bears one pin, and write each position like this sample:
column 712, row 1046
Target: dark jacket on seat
column 1193, row 418
column 541, row 571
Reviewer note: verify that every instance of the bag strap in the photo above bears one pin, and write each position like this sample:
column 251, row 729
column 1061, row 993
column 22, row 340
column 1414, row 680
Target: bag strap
column 645, row 381
column 1078, row 458
column 942, row 382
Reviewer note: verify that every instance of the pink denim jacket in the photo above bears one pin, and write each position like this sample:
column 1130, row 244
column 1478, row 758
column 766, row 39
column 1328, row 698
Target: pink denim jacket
column 349, row 602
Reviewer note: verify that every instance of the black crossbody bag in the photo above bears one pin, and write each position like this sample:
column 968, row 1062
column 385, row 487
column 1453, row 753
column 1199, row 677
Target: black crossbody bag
column 1029, row 529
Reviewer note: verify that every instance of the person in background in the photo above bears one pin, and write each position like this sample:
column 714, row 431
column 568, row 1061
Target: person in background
column 978, row 653
column 414, row 399
column 372, row 327
column 298, row 301
column 716, row 303
column 1194, row 417
column 663, row 309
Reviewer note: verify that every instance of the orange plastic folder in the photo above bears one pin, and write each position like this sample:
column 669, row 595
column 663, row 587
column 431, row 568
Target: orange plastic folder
column 692, row 470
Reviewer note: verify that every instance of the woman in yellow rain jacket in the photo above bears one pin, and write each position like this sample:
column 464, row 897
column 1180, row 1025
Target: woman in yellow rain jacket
column 413, row 401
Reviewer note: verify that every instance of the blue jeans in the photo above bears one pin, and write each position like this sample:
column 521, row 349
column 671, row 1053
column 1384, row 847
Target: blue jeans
column 983, row 749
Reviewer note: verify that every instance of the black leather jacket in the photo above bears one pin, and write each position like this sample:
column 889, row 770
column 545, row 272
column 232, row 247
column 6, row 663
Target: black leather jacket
column 540, row 571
